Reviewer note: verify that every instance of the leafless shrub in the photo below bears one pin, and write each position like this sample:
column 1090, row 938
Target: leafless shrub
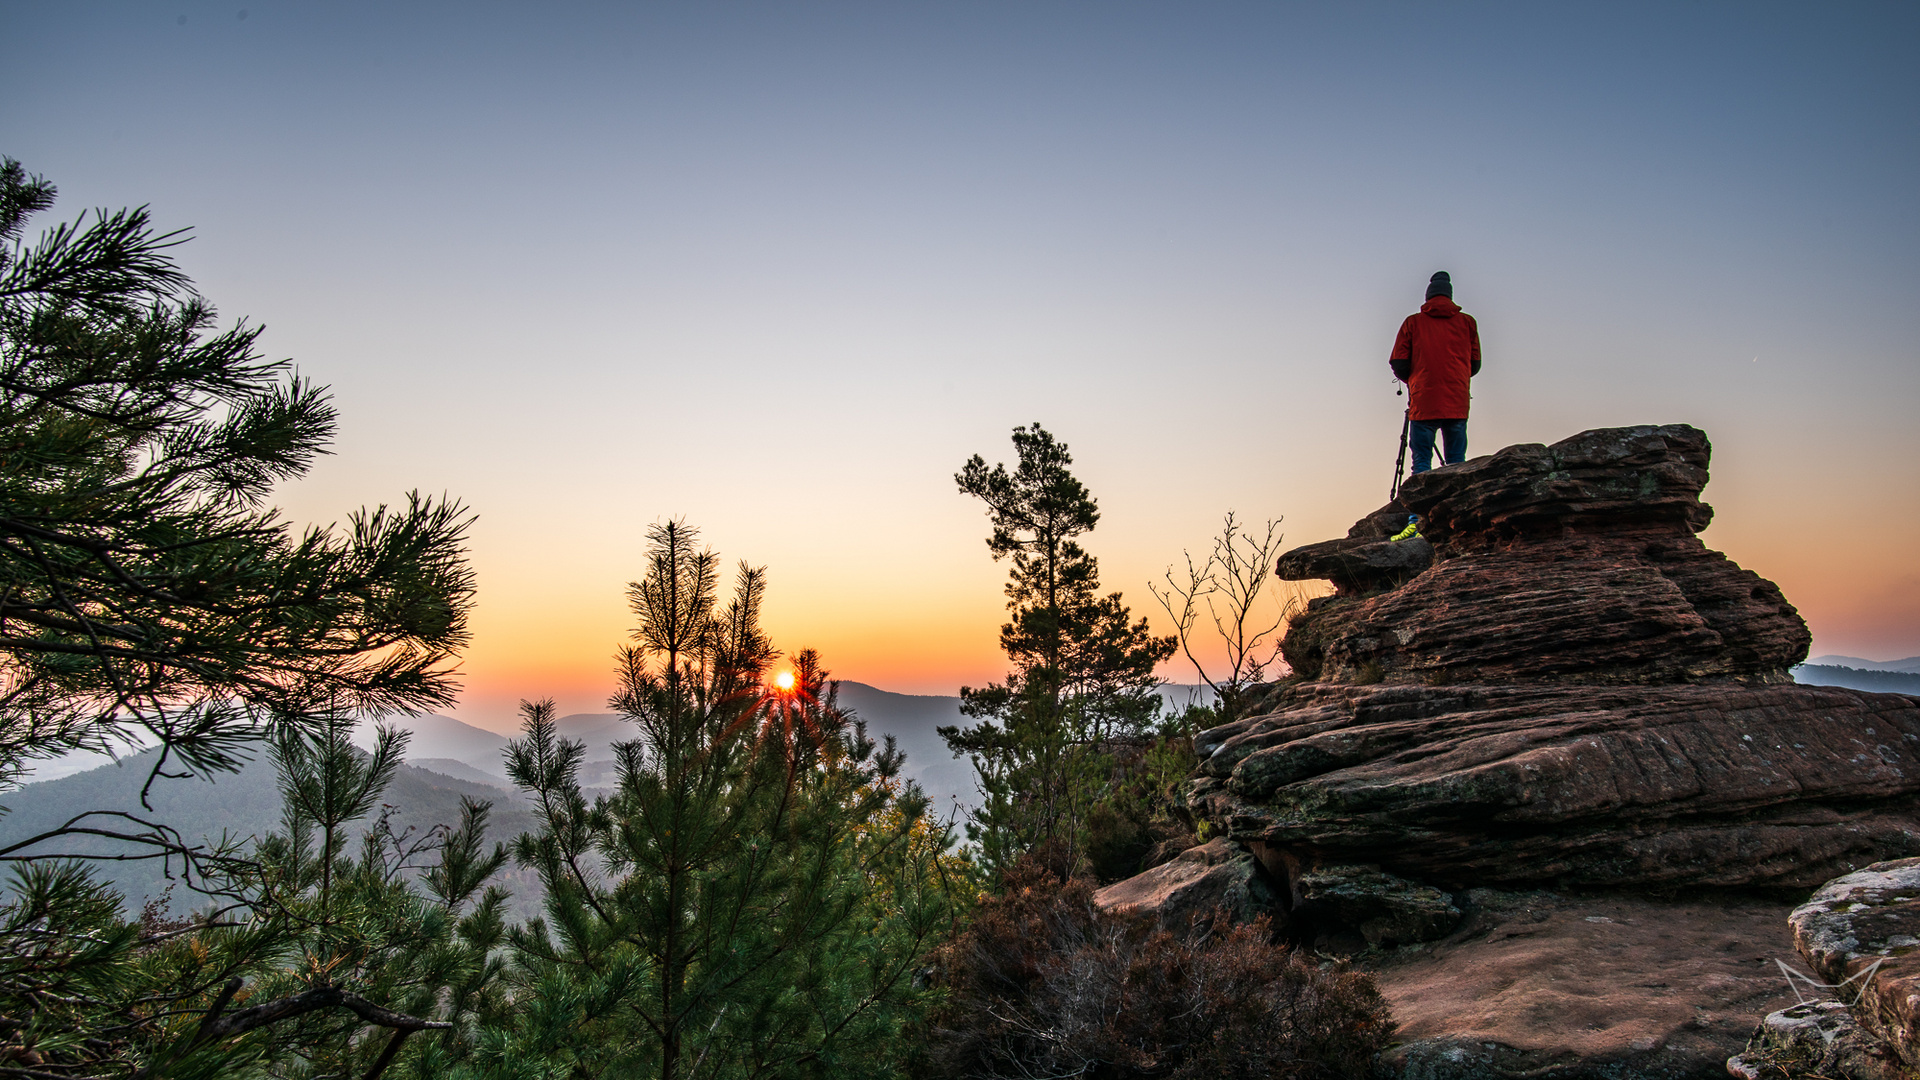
column 1226, row 587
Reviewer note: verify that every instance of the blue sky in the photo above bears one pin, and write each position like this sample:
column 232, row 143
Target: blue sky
column 781, row 268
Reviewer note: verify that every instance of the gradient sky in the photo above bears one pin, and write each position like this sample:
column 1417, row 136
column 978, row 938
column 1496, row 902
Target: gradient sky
column 780, row 268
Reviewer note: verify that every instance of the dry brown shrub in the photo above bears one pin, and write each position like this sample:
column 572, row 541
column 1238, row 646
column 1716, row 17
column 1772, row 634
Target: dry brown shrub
column 1043, row 985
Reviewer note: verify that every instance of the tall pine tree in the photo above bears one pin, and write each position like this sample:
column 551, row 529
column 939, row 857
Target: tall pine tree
column 753, row 897
column 1082, row 678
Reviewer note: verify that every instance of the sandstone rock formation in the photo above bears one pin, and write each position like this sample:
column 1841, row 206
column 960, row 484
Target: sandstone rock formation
column 1574, row 691
column 1599, row 786
column 1559, row 690
column 1604, row 986
column 1384, row 909
column 1575, row 562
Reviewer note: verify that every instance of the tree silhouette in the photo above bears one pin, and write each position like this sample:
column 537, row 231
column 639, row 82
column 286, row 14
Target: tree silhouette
column 148, row 592
column 1082, row 677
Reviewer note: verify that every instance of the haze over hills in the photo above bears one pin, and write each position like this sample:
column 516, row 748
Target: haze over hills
column 435, row 736
column 462, row 750
column 1910, row 665
column 241, row 806
column 912, row 719
column 445, row 760
column 1876, row 680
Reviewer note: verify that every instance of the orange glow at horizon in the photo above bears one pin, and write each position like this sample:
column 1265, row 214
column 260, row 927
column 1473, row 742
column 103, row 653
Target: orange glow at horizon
column 921, row 613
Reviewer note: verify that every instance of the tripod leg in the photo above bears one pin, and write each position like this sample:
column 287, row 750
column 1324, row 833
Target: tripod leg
column 1400, row 466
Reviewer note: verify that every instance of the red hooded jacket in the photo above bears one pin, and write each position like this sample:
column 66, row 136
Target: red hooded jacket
column 1437, row 351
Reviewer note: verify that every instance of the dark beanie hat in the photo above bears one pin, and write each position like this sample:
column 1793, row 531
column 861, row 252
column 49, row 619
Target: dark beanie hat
column 1441, row 285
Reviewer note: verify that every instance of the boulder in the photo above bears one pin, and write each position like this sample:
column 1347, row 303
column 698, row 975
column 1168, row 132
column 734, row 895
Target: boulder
column 1216, row 874
column 1861, row 934
column 1605, row 479
column 1572, row 562
column 1358, row 566
column 1815, row 1038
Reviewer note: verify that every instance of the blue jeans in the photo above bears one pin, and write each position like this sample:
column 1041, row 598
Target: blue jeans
column 1421, row 440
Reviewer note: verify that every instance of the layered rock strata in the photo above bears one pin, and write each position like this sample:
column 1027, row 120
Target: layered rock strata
column 1576, row 562
column 1558, row 689
column 1210, row 876
column 1559, row 685
column 1670, row 786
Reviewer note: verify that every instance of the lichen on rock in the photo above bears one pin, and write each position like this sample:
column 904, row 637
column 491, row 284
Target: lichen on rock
column 1861, row 934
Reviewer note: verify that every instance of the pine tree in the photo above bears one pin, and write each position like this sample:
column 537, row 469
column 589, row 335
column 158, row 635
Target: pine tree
column 752, row 897
column 1082, row 679
column 315, row 963
column 404, row 928
column 150, row 594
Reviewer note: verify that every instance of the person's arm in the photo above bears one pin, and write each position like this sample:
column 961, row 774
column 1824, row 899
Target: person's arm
column 1401, row 359
column 1473, row 332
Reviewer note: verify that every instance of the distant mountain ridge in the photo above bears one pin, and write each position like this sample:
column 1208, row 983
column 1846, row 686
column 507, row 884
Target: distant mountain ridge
column 1879, row 681
column 242, row 806
column 445, row 760
column 1911, row 665
column 912, row 719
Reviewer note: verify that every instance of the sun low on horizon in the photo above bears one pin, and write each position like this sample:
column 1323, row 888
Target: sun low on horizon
column 780, row 271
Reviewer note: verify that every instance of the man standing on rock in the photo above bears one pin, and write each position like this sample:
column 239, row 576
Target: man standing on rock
column 1437, row 352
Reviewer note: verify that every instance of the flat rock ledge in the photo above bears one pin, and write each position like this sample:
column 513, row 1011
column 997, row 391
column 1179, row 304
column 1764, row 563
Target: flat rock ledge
column 1555, row 986
column 1658, row 787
